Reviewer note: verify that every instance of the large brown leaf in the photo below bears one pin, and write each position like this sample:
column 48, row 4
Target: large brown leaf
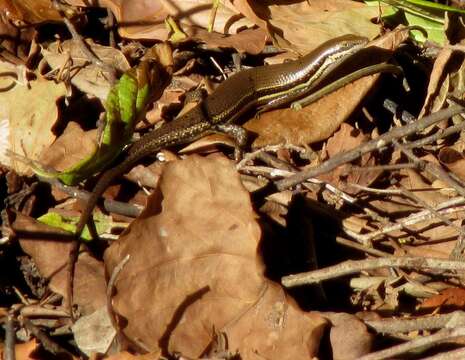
column 194, row 269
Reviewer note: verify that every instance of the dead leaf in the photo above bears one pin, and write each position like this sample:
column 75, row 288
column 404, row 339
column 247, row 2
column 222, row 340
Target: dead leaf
column 87, row 77
column 66, row 151
column 251, row 41
column 145, row 20
column 94, row 332
column 23, row 351
column 451, row 298
column 30, row 11
column 302, row 24
column 51, row 254
column 28, row 116
column 194, row 269
column 453, row 160
column 307, row 24
column 127, row 356
column 347, row 138
column 350, row 338
column 436, row 81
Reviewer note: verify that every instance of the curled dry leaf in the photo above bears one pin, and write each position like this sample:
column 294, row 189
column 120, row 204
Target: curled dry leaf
column 194, row 270
column 28, row 113
column 67, row 56
column 450, row 299
column 438, row 83
column 320, row 119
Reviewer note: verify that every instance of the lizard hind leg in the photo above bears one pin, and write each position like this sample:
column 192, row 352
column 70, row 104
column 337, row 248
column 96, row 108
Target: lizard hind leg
column 237, row 133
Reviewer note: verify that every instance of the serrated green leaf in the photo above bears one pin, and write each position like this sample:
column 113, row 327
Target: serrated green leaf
column 124, row 104
column 103, row 223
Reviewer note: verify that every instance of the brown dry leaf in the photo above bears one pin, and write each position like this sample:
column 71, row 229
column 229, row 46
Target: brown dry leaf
column 27, row 116
column 302, row 24
column 453, row 160
column 10, row 33
column 23, row 351
column 30, row 11
column 94, row 333
column 349, row 336
column 127, row 356
column 451, row 298
column 194, row 270
column 306, row 24
column 440, row 241
column 251, row 41
column 437, row 80
column 422, row 186
column 145, row 19
column 66, row 151
column 320, row 119
column 51, row 254
column 347, row 138
column 87, row 77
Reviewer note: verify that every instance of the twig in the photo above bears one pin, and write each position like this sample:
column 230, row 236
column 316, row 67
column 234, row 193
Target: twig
column 369, row 146
column 110, row 27
column 353, row 267
column 83, row 45
column 357, row 246
column 433, row 169
column 448, row 355
column 415, row 218
column 422, row 343
column 457, row 251
column 10, row 339
column 430, row 322
column 396, row 110
column 388, row 167
column 440, row 133
column 433, row 211
column 44, row 339
column 269, row 148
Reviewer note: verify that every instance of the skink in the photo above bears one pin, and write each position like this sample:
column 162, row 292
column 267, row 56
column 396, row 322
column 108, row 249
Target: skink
column 265, row 86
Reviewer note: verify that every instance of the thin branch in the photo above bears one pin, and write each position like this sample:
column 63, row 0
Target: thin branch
column 353, row 267
column 94, row 59
column 430, row 322
column 357, row 246
column 10, row 338
column 421, row 343
column 424, row 215
column 372, row 145
column 432, row 169
column 448, row 355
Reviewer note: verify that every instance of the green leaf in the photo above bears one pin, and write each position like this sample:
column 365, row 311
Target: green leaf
column 123, row 106
column 426, row 14
column 103, row 223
